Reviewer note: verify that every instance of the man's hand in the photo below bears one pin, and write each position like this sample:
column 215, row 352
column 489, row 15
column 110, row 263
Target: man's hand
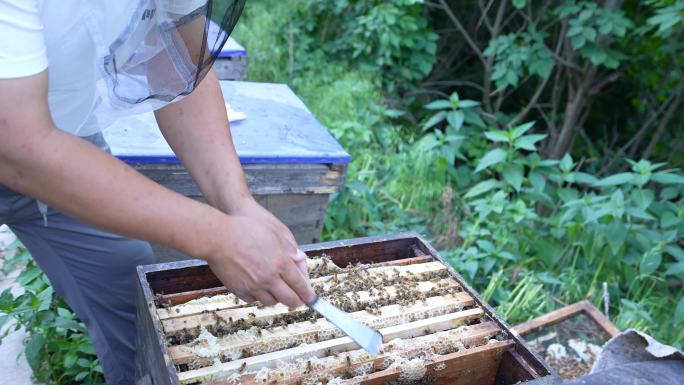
column 257, row 262
column 250, row 208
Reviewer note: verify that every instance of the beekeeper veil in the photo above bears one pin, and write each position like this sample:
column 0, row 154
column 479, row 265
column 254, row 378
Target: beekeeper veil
column 157, row 52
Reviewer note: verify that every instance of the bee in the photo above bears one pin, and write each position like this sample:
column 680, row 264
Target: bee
column 177, row 311
column 242, row 367
column 348, row 360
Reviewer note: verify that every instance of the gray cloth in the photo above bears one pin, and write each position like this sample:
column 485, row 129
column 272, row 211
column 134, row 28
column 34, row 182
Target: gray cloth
column 93, row 270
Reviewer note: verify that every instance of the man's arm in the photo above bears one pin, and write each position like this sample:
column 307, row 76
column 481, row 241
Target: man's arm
column 70, row 174
column 197, row 130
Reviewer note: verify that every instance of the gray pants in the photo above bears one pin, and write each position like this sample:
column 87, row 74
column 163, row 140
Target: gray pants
column 93, row 270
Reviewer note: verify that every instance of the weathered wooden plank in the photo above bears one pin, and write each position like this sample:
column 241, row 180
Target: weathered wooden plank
column 374, row 249
column 152, row 361
column 262, row 179
column 181, row 276
column 557, row 316
column 601, row 320
column 474, row 366
column 358, row 360
column 260, row 341
column 551, row 318
column 180, row 298
column 231, row 68
column 324, row 348
column 514, row 369
column 252, row 314
column 229, row 301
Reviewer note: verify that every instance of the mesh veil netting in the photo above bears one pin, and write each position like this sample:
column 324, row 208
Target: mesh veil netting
column 166, row 49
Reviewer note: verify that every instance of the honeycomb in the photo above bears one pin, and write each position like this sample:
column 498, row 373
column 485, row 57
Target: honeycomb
column 222, row 338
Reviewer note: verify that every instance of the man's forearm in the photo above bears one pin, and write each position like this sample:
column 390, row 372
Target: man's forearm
column 79, row 179
column 197, row 130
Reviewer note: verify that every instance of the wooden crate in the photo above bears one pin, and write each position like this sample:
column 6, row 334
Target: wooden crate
column 231, row 63
column 459, row 337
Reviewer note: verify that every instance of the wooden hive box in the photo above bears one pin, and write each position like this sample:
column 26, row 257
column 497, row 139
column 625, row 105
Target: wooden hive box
column 231, row 62
column 436, row 329
column 291, row 162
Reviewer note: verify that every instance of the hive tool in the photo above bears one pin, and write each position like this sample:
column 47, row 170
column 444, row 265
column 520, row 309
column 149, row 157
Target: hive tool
column 369, row 339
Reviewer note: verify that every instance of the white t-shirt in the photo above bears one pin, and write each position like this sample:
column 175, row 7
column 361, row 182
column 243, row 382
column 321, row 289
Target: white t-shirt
column 70, row 38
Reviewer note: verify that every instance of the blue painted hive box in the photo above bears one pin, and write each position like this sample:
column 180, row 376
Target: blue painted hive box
column 291, row 162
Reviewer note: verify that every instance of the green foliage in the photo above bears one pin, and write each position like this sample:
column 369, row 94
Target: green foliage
column 591, row 27
column 388, row 36
column 668, row 18
column 57, row 348
column 517, row 55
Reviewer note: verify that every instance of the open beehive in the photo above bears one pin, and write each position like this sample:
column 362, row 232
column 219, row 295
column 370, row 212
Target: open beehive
column 435, row 328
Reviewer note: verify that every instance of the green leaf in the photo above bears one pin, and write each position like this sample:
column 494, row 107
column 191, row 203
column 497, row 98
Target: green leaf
column 566, row 163
column 642, row 198
column 513, row 174
column 439, row 105
column 537, row 181
column 491, row 158
column 616, row 234
column 528, row 142
column 650, row 262
column 669, row 193
column 497, row 136
column 82, row 362
column 470, row 267
column 455, row 119
column 584, row 178
column 436, row 118
column 668, row 219
column 80, row 376
column 454, row 100
column 520, row 4
column 522, row 129
column 482, row 188
column 70, row 359
column 35, row 351
column 567, row 194
column 679, row 311
column 615, row 180
column 468, row 104
column 675, row 268
column 675, row 251
column 667, row 178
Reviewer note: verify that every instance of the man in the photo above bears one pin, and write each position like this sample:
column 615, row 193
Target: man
column 67, row 68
